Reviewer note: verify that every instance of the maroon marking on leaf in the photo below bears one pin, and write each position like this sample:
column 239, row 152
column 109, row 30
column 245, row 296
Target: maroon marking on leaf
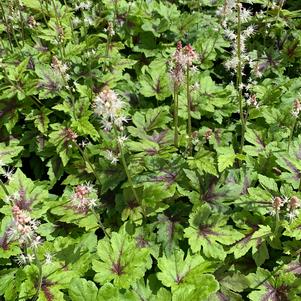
column 298, row 153
column 179, row 279
column 132, row 204
column 169, row 177
column 152, row 122
column 222, row 297
column 4, row 241
column 293, row 169
column 246, row 239
column 205, row 231
column 259, row 141
column 151, row 151
column 158, row 137
column 141, row 242
column 170, row 231
column 23, row 203
column 259, row 241
column 294, row 268
column 117, row 268
column 157, row 87
column 245, row 186
column 210, row 195
column 45, row 289
column 275, row 294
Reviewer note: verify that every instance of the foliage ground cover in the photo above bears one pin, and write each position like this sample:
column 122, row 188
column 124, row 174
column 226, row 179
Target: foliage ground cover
column 149, row 150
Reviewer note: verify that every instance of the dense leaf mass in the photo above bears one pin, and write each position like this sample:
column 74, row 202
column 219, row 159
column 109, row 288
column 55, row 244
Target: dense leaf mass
column 150, row 150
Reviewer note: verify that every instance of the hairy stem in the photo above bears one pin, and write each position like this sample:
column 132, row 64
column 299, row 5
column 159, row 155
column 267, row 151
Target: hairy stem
column 7, row 27
column 188, row 111
column 86, row 159
column 292, row 134
column 125, row 167
column 102, row 227
column 40, row 275
column 239, row 77
column 176, row 106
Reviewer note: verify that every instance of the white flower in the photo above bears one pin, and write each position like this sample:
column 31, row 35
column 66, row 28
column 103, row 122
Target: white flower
column 76, row 21
column 122, row 139
column 36, row 242
column 111, row 157
column 88, row 20
column 8, row 174
column 245, row 14
column 81, row 198
column 21, row 259
column 107, row 104
column 232, row 63
column 230, row 34
column 48, row 258
column 92, row 203
column 30, row 258
column 249, row 31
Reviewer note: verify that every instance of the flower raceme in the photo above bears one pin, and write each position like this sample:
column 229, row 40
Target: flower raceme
column 83, row 198
column 292, row 206
column 23, row 228
column 182, row 58
column 109, row 107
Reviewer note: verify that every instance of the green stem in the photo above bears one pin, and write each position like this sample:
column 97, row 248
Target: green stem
column 43, row 13
column 279, row 9
column 22, row 22
column 128, row 173
column 102, row 227
column 276, row 223
column 7, row 27
column 40, row 277
column 292, row 134
column 70, row 24
column 59, row 24
column 239, row 77
column 268, row 277
column 176, row 107
column 86, row 159
column 125, row 167
column 188, row 111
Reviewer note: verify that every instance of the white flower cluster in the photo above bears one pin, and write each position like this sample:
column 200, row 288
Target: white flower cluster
column 60, row 67
column 6, row 171
column 83, row 198
column 23, row 259
column 109, row 107
column 296, row 108
column 83, row 5
column 292, row 206
column 182, row 59
column 229, row 14
column 23, row 228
